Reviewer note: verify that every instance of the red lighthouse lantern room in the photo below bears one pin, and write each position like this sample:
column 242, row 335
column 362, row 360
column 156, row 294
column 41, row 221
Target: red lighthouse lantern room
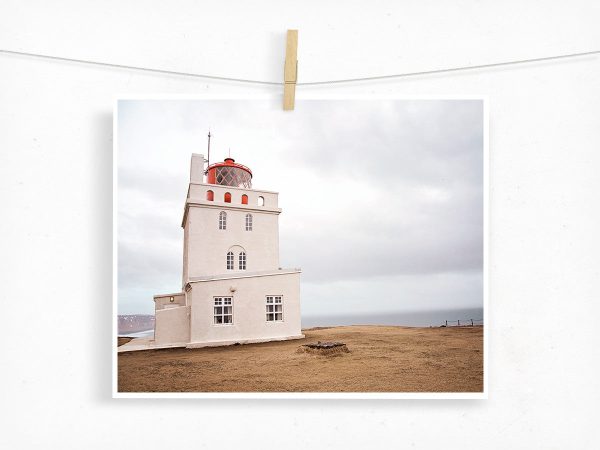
column 229, row 173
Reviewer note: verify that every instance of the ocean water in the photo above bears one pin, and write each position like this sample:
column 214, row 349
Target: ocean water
column 411, row 319
column 147, row 333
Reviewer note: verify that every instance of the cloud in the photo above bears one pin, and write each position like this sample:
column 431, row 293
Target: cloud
column 385, row 193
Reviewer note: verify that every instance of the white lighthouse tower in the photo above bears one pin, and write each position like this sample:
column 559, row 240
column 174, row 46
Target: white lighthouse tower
column 233, row 288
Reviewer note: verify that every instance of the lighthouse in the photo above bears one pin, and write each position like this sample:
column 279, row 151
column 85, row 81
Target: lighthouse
column 233, row 288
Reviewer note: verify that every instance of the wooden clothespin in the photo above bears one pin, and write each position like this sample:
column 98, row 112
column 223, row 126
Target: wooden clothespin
column 290, row 70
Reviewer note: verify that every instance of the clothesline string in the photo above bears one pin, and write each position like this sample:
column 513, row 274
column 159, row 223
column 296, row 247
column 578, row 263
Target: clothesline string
column 309, row 83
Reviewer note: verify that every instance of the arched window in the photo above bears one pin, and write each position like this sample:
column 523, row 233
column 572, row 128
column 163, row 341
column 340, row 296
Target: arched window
column 248, row 222
column 261, row 201
column 244, row 199
column 227, row 197
column 229, row 260
column 210, row 196
column 222, row 220
column 242, row 261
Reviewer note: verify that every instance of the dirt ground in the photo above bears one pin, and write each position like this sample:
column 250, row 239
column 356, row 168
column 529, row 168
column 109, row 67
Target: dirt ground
column 123, row 340
column 381, row 359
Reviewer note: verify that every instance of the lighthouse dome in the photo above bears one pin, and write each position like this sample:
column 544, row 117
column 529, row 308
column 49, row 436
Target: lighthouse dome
column 229, row 173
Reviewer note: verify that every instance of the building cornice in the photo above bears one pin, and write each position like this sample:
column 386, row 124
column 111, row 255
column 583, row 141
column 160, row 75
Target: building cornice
column 238, row 275
column 260, row 191
column 226, row 206
column 168, row 295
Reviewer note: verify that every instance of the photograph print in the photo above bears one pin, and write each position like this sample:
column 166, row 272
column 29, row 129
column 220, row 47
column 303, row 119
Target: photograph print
column 336, row 249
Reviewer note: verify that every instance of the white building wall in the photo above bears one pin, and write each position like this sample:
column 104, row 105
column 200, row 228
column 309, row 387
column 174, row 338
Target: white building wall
column 172, row 325
column 185, row 277
column 169, row 300
column 197, row 193
column 197, row 166
column 206, row 246
column 249, row 309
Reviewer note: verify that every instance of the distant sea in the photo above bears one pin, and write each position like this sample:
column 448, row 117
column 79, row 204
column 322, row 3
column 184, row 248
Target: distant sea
column 410, row 319
column 147, row 333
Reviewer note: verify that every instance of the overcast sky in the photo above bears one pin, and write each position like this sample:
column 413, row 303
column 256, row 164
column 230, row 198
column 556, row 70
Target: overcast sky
column 382, row 200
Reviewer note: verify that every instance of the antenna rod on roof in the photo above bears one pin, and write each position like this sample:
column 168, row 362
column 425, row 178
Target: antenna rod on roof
column 208, row 160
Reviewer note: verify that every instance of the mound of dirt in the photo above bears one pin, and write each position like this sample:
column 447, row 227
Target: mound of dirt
column 324, row 348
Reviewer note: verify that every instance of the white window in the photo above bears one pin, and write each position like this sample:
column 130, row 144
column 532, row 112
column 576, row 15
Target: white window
column 229, row 260
column 248, row 222
column 222, row 220
column 223, row 311
column 242, row 261
column 274, row 308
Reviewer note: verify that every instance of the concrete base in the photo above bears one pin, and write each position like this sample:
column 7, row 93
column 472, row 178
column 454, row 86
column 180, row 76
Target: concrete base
column 242, row 341
column 149, row 344
column 146, row 344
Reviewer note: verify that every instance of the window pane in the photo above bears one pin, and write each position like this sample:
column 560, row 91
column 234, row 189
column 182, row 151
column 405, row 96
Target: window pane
column 269, row 308
column 218, row 319
column 270, row 317
column 278, row 308
column 218, row 310
column 227, row 319
column 227, row 309
column 278, row 316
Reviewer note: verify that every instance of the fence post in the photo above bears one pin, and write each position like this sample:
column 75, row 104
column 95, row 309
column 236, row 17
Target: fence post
column 458, row 323
column 471, row 322
column 446, row 323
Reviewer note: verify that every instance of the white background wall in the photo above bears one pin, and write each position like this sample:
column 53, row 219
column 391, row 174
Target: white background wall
column 55, row 192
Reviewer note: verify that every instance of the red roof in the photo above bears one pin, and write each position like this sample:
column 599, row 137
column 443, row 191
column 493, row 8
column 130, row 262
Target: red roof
column 229, row 162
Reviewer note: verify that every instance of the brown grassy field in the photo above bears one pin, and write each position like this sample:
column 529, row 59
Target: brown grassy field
column 123, row 340
column 381, row 359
